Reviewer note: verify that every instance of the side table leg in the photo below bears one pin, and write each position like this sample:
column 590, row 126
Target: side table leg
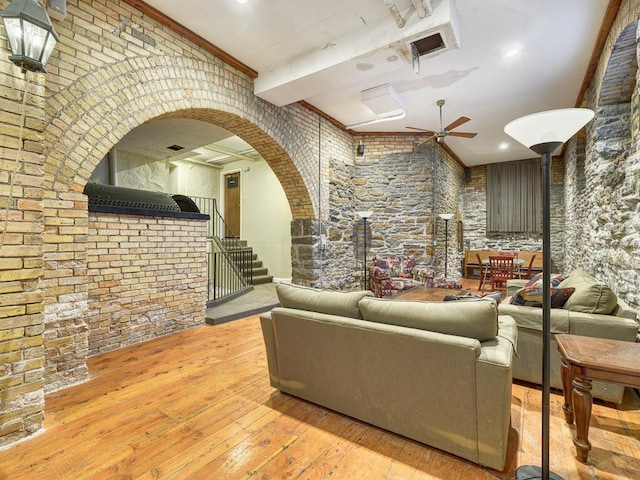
column 567, row 387
column 582, row 403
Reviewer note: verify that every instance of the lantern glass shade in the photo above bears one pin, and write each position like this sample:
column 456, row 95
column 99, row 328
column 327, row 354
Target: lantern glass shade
column 30, row 33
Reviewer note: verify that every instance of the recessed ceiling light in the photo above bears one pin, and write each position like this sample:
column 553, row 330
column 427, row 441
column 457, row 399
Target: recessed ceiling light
column 503, row 146
column 512, row 52
column 241, row 1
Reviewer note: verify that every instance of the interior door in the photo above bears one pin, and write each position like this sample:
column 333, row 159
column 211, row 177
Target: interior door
column 232, row 203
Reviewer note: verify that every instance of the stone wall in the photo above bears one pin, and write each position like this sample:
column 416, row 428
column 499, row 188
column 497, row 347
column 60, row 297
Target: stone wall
column 405, row 186
column 147, row 278
column 602, row 191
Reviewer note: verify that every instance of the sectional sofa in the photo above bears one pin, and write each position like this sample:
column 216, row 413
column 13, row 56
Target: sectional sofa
column 439, row 373
column 592, row 309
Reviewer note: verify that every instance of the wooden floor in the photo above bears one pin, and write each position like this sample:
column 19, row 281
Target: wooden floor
column 198, row 405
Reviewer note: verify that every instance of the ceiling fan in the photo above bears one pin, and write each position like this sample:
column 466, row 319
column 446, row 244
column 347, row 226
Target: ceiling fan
column 443, row 132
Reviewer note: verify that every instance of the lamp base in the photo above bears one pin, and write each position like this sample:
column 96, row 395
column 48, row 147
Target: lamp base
column 530, row 472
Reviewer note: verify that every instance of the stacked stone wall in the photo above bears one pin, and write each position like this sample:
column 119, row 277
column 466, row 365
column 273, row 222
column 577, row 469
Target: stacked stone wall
column 396, row 180
column 602, row 192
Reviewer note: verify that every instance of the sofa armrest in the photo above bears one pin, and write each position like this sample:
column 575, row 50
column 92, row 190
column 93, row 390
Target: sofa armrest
column 602, row 326
column 514, row 285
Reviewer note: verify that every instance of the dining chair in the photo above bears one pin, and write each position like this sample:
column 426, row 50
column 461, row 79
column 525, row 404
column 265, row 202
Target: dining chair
column 501, row 269
column 484, row 272
column 528, row 274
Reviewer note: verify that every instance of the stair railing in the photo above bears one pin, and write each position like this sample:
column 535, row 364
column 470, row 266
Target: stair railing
column 228, row 260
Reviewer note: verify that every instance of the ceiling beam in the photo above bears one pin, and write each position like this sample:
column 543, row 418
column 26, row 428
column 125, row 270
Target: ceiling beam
column 395, row 13
column 423, row 7
column 230, row 153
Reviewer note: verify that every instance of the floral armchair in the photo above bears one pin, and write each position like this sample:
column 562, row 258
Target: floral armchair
column 392, row 274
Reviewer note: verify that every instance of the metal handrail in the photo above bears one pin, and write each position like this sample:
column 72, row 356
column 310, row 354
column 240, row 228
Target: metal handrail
column 228, row 260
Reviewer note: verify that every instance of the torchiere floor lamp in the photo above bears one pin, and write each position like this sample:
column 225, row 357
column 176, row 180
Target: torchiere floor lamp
column 446, row 217
column 544, row 133
column 365, row 214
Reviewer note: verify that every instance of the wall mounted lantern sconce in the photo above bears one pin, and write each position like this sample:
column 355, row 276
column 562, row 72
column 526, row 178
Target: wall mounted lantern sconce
column 360, row 149
column 364, row 215
column 30, row 33
column 544, row 133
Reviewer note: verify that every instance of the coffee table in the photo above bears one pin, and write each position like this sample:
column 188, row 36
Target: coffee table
column 429, row 293
column 585, row 359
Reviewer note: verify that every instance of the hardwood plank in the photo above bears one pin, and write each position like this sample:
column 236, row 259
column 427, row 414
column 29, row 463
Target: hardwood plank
column 198, row 404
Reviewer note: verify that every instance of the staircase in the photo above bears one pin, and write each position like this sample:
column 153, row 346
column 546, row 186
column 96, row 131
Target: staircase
column 260, row 273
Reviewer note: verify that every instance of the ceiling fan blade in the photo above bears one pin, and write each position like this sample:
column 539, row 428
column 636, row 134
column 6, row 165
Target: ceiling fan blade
column 462, row 134
column 430, row 132
column 456, row 123
column 426, row 141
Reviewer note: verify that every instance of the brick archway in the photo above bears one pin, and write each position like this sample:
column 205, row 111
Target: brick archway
column 93, row 114
column 87, row 118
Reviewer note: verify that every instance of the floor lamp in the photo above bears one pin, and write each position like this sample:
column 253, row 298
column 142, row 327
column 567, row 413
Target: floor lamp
column 544, row 133
column 364, row 215
column 446, row 217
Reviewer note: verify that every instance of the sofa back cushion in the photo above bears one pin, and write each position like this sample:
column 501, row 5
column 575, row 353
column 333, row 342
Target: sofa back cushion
column 477, row 320
column 590, row 296
column 344, row 304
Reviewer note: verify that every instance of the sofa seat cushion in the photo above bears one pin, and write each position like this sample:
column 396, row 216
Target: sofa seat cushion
column 590, row 296
column 477, row 320
column 344, row 304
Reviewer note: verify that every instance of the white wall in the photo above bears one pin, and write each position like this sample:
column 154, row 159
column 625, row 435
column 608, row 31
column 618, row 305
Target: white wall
column 265, row 216
column 191, row 179
column 137, row 171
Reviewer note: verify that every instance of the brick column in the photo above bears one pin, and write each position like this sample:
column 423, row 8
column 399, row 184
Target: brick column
column 21, row 255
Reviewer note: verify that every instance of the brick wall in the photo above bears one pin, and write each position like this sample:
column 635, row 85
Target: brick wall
column 21, row 252
column 147, row 278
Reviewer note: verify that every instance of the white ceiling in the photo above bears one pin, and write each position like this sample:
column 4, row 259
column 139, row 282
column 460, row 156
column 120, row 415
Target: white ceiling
column 327, row 51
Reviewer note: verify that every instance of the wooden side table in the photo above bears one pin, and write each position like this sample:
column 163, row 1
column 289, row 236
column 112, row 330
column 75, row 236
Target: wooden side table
column 585, row 359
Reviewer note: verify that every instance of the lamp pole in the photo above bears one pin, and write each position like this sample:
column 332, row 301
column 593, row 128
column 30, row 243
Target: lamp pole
column 364, row 214
column 446, row 217
column 544, row 133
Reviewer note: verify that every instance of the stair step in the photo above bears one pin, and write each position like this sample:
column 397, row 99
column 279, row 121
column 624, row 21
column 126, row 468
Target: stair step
column 262, row 279
column 257, row 272
column 256, row 263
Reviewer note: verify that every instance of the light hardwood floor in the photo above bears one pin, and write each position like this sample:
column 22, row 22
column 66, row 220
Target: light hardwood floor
column 197, row 405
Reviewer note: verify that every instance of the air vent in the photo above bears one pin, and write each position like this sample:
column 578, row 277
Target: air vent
column 175, row 148
column 428, row 45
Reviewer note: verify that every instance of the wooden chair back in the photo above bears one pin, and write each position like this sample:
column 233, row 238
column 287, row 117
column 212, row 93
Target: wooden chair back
column 501, row 269
column 527, row 274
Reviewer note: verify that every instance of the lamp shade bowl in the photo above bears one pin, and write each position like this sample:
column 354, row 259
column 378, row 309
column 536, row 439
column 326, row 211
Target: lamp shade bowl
column 551, row 126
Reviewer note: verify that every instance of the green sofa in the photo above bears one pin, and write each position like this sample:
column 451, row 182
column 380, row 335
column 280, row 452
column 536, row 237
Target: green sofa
column 592, row 310
column 439, row 373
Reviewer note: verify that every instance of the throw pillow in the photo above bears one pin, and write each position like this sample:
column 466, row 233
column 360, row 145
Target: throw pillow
column 532, row 296
column 556, row 278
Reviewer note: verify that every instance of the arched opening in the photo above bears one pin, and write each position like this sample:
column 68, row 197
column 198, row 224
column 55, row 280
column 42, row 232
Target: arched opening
column 77, row 139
